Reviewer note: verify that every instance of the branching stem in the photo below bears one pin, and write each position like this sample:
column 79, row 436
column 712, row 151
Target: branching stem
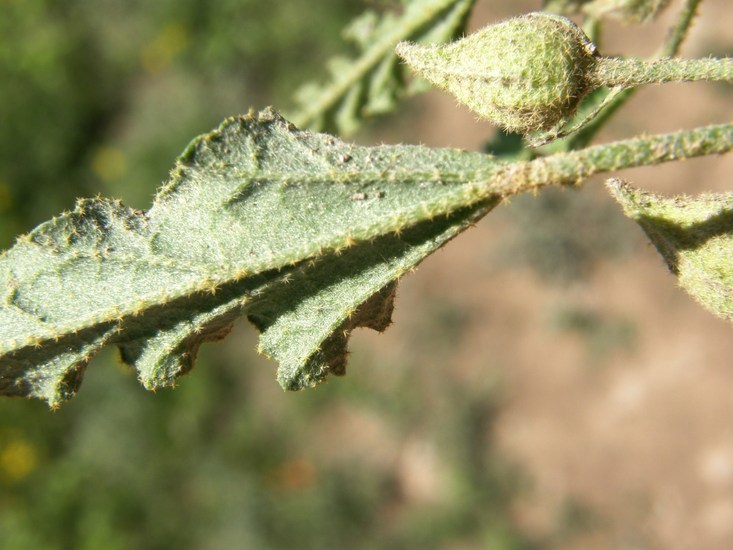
column 615, row 99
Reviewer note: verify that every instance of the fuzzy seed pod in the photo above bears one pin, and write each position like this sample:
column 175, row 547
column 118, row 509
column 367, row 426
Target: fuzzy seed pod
column 524, row 74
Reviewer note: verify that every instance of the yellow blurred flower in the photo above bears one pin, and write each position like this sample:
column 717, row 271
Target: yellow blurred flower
column 17, row 460
column 164, row 48
column 6, row 197
column 109, row 163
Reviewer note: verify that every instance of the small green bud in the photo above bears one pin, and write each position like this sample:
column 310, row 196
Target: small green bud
column 694, row 235
column 525, row 74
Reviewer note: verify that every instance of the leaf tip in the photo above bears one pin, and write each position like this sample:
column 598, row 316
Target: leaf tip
column 694, row 235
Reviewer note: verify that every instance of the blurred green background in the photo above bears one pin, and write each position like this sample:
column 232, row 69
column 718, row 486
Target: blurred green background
column 99, row 97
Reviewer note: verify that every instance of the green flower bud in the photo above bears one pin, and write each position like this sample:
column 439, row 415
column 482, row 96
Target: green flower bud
column 524, row 74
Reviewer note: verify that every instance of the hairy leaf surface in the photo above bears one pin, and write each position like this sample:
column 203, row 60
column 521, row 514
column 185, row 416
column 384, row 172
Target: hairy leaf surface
column 304, row 234
column 694, row 235
column 372, row 83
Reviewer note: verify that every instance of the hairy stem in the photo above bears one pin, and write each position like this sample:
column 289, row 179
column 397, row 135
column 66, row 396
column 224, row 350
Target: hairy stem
column 616, row 98
column 632, row 72
column 573, row 167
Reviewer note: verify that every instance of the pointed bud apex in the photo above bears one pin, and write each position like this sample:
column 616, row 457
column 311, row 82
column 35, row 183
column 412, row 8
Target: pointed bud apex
column 524, row 74
column 694, row 235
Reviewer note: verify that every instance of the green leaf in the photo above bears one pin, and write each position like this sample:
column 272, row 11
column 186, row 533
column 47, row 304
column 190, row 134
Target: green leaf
column 306, row 320
column 373, row 83
column 694, row 235
column 301, row 232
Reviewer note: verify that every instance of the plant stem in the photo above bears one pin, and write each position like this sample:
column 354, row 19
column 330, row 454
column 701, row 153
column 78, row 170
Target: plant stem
column 574, row 167
column 670, row 48
column 672, row 44
column 413, row 21
column 632, row 72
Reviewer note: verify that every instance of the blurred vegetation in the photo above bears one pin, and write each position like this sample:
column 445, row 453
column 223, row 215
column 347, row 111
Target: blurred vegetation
column 100, row 97
column 602, row 333
column 563, row 234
